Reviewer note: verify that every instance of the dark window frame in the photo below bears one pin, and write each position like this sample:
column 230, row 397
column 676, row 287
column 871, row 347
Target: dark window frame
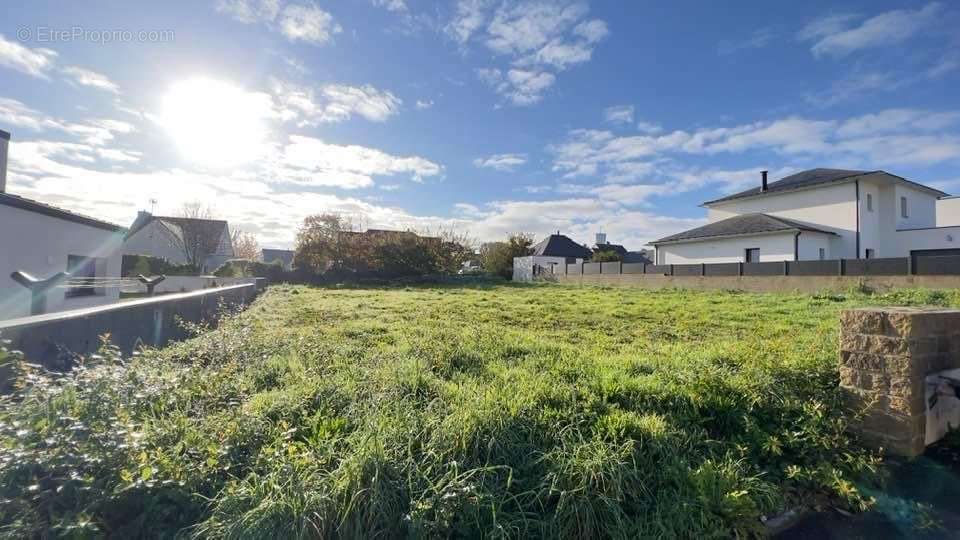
column 869, row 202
column 746, row 255
column 870, row 254
column 80, row 267
column 904, row 208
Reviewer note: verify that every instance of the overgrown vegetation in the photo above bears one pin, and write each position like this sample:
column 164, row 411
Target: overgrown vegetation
column 496, row 258
column 501, row 411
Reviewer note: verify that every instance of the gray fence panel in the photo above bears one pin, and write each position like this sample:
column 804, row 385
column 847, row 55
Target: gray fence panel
column 937, row 266
column 591, row 268
column 610, row 267
column 814, row 268
column 723, row 269
column 659, row 269
column 763, row 269
column 687, row 270
column 632, row 268
column 876, row 267
column 573, row 269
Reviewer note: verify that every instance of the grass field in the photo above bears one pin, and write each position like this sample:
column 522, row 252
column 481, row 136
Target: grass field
column 493, row 411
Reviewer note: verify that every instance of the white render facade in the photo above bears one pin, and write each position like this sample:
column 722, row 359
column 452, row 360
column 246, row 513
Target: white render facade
column 159, row 238
column 42, row 241
column 864, row 215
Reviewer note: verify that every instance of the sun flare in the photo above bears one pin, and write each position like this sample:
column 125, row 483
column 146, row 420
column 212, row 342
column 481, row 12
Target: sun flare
column 214, row 122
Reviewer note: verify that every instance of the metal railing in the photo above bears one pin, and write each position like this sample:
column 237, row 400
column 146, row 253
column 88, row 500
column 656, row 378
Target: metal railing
column 41, row 288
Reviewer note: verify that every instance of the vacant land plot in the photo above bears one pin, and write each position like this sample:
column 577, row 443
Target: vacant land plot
column 498, row 411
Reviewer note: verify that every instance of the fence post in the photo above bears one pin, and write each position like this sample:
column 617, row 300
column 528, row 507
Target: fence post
column 671, row 269
column 703, row 269
column 38, row 288
column 740, row 269
column 909, row 265
column 151, row 283
column 786, row 271
column 840, row 268
column 644, row 268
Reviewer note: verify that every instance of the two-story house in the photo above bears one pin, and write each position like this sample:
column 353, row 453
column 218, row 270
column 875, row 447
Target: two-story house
column 821, row 214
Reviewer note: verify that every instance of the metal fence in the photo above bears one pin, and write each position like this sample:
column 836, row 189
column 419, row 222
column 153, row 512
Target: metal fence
column 901, row 266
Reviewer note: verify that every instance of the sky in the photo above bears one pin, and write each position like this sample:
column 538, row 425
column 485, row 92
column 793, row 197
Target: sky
column 485, row 117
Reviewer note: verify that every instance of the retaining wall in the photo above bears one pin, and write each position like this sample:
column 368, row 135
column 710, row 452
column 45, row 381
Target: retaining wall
column 759, row 283
column 53, row 339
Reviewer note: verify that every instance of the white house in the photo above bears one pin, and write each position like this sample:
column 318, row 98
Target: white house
column 549, row 255
column 203, row 242
column 821, row 214
column 43, row 240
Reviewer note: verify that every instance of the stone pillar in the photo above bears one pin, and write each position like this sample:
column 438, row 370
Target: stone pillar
column 885, row 355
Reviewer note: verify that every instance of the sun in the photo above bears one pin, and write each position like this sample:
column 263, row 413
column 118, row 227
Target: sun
column 215, row 123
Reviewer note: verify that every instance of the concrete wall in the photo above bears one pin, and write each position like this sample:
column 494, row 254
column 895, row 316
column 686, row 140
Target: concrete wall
column 807, row 284
column 831, row 208
column 948, row 212
column 885, row 356
column 179, row 284
column 39, row 245
column 48, row 339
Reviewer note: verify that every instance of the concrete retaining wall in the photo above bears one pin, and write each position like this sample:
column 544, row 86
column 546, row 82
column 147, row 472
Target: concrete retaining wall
column 181, row 284
column 809, row 284
column 52, row 339
column 885, row 356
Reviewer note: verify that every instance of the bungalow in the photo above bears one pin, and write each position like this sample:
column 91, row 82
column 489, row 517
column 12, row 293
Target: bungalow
column 204, row 243
column 821, row 214
column 553, row 251
column 42, row 240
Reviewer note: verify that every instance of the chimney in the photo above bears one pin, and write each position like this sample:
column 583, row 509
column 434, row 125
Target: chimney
column 763, row 181
column 4, row 144
column 601, row 238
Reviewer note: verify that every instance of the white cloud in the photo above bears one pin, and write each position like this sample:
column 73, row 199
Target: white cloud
column 86, row 77
column 619, row 114
column 96, row 131
column 333, row 103
column 834, row 35
column 297, row 22
column 650, row 128
column 521, row 87
column 501, row 162
column 312, row 161
column 36, row 62
column 538, row 38
column 424, row 104
column 250, row 11
column 391, row 5
column 758, row 39
column 308, row 23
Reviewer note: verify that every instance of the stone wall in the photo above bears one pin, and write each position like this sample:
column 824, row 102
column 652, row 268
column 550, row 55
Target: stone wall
column 885, row 355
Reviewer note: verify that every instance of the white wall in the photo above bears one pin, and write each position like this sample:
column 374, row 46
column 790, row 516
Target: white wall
column 811, row 243
column 948, row 212
column 154, row 240
column 936, row 238
column 922, row 208
column 831, row 208
column 178, row 284
column 773, row 247
column 523, row 266
column 39, row 244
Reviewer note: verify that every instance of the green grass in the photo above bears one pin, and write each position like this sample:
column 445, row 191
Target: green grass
column 491, row 411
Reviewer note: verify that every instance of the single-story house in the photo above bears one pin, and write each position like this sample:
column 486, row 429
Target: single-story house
column 821, row 214
column 43, row 240
column 285, row 256
column 548, row 256
column 204, row 243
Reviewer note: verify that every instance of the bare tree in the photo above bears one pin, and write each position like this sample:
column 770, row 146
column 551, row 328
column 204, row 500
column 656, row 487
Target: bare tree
column 196, row 210
column 245, row 245
column 198, row 237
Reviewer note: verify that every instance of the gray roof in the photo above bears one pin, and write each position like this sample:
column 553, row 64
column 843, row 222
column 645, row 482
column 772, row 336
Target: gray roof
column 285, row 256
column 38, row 207
column 813, row 177
column 745, row 224
column 558, row 245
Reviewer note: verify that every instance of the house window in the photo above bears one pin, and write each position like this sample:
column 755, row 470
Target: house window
column 82, row 272
column 903, row 208
column 823, row 254
column 752, row 255
column 870, row 254
column 869, row 202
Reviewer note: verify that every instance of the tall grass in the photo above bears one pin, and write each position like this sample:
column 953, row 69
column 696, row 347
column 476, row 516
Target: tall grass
column 448, row 412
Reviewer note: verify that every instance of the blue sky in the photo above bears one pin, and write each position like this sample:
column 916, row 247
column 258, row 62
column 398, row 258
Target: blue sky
column 489, row 117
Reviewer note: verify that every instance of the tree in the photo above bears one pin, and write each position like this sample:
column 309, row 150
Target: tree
column 245, row 245
column 196, row 240
column 323, row 243
column 606, row 255
column 497, row 257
